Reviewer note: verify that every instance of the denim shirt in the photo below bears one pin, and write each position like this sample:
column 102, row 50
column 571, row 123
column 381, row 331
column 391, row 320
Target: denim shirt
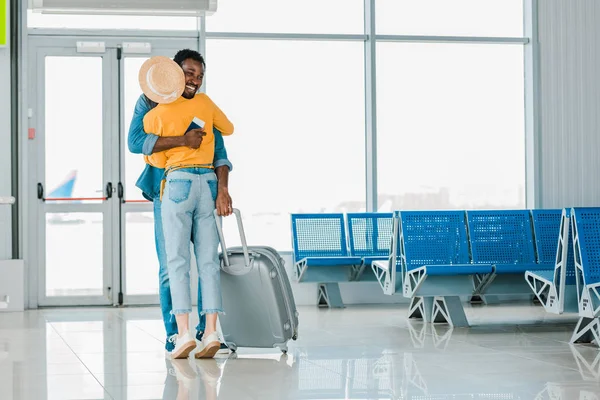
column 139, row 142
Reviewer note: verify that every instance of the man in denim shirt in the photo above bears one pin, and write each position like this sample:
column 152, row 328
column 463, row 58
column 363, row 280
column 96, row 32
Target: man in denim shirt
column 149, row 181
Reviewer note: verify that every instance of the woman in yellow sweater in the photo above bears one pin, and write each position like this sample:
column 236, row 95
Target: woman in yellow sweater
column 189, row 194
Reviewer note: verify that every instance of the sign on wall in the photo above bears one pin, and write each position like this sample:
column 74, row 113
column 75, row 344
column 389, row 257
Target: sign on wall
column 3, row 22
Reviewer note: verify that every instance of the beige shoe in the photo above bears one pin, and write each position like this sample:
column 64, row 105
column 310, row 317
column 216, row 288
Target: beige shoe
column 183, row 346
column 209, row 346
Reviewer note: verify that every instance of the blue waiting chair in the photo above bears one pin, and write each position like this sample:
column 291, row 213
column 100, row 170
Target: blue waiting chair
column 321, row 249
column 436, row 264
column 370, row 236
column 503, row 239
column 555, row 288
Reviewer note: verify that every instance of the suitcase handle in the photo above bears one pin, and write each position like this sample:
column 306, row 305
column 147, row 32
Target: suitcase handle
column 238, row 217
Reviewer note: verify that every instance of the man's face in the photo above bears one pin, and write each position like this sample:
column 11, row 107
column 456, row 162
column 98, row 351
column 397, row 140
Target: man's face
column 194, row 73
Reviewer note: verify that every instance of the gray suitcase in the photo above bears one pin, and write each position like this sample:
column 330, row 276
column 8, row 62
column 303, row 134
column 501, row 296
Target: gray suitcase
column 260, row 310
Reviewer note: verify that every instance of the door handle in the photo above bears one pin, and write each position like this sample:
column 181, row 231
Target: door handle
column 120, row 190
column 109, row 190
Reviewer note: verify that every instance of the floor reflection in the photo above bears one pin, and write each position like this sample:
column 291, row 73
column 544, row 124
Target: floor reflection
column 588, row 362
column 119, row 354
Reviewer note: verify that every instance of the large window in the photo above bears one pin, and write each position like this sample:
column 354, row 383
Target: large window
column 290, row 74
column 299, row 141
column 450, row 126
column 290, row 16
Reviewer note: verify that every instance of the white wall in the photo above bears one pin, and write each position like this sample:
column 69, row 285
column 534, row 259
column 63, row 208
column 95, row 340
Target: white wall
column 569, row 34
column 5, row 154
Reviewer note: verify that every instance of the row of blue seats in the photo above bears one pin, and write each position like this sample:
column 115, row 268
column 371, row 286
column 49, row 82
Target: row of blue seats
column 437, row 256
column 320, row 240
column 431, row 254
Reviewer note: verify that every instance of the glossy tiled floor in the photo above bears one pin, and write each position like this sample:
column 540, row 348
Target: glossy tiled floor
column 367, row 352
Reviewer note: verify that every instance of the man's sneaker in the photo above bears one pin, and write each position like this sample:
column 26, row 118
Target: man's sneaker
column 209, row 346
column 169, row 346
column 222, row 350
column 183, row 346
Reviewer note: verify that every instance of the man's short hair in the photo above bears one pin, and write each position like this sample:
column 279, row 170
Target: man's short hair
column 187, row 54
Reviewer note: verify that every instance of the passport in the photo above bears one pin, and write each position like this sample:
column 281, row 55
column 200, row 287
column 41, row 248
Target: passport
column 196, row 123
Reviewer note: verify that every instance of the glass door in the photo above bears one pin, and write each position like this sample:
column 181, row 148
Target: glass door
column 71, row 127
column 95, row 236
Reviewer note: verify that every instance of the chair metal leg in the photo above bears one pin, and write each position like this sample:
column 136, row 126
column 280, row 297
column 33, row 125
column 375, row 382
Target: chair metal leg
column 329, row 295
column 449, row 309
column 421, row 308
column 586, row 331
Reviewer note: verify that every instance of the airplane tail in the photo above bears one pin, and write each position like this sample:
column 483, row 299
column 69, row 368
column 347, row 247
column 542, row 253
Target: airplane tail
column 65, row 189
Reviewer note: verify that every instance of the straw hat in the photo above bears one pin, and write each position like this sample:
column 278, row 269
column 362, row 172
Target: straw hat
column 161, row 79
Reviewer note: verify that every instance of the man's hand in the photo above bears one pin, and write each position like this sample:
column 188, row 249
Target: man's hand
column 193, row 138
column 224, row 203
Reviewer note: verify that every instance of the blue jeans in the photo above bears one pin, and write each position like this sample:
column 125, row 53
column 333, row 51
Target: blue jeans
column 164, row 288
column 188, row 204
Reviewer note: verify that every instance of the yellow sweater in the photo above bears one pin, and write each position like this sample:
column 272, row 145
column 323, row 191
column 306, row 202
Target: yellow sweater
column 173, row 120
